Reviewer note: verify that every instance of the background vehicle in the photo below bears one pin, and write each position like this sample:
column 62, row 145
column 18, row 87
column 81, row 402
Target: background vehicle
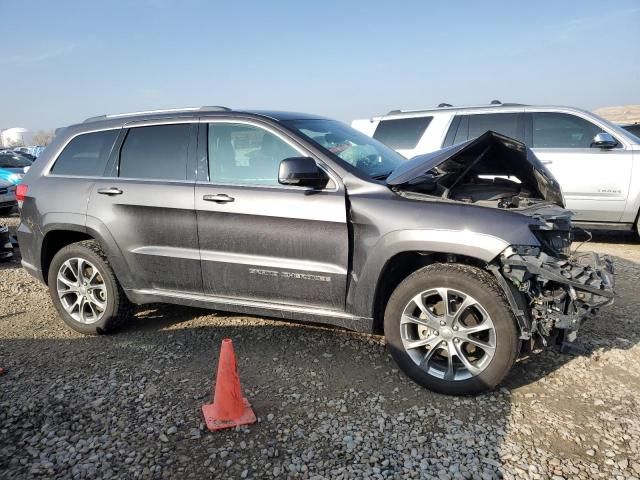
column 6, row 247
column 7, row 197
column 301, row 217
column 13, row 167
column 596, row 172
column 24, row 154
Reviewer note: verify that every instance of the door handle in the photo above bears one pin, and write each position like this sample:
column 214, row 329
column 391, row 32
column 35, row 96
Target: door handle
column 547, row 162
column 110, row 191
column 218, row 198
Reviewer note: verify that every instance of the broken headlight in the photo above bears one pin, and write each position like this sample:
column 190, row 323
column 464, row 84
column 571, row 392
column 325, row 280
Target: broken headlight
column 554, row 242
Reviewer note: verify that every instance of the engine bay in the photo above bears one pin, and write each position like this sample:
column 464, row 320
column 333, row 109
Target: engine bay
column 495, row 192
column 492, row 170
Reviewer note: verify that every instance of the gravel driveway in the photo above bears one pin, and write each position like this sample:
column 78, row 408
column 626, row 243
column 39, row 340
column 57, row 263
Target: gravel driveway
column 331, row 403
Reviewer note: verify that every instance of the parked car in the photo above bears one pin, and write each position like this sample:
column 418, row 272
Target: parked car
column 301, row 217
column 26, row 155
column 6, row 247
column 13, row 167
column 634, row 128
column 32, row 151
column 7, row 197
column 591, row 158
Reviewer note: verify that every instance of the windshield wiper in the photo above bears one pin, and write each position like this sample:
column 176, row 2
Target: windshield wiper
column 381, row 176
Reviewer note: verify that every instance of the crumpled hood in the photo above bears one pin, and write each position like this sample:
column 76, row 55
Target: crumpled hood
column 489, row 154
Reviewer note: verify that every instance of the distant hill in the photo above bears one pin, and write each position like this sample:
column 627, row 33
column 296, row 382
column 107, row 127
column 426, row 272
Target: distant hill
column 623, row 114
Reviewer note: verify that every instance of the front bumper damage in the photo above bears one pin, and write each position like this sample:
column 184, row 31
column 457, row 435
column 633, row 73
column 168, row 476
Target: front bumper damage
column 560, row 293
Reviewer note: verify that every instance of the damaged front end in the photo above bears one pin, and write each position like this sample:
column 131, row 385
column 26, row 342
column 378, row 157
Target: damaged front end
column 550, row 289
column 561, row 288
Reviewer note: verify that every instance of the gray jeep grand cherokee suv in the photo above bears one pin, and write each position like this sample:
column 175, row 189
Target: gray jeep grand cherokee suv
column 461, row 257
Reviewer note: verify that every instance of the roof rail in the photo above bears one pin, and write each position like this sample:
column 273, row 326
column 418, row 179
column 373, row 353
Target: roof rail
column 494, row 103
column 213, row 108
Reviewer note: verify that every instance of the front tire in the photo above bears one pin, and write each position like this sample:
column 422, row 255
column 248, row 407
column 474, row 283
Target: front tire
column 85, row 290
column 450, row 329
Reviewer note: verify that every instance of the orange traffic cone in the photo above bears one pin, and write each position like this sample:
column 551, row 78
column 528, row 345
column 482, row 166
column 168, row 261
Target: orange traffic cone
column 229, row 407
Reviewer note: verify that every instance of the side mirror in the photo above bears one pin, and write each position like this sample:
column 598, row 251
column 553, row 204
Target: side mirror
column 301, row 171
column 604, row 140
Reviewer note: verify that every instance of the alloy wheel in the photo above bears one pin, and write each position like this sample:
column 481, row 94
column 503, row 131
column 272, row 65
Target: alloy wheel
column 82, row 290
column 448, row 334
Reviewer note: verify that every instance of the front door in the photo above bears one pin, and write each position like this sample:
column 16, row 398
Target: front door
column 262, row 241
column 594, row 181
column 147, row 206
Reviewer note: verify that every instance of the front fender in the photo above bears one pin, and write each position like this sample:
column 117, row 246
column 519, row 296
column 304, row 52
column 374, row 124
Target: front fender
column 481, row 246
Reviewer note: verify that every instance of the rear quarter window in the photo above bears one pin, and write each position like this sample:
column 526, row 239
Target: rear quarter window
column 86, row 155
column 402, row 133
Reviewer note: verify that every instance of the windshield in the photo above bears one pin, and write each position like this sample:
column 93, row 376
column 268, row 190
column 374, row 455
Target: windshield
column 13, row 161
column 634, row 132
column 364, row 153
column 618, row 129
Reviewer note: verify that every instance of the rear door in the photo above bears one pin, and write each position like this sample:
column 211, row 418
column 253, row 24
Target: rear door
column 595, row 181
column 259, row 240
column 146, row 205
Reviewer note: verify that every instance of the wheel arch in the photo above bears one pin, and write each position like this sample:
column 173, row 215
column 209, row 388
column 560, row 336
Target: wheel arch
column 58, row 236
column 399, row 267
column 402, row 252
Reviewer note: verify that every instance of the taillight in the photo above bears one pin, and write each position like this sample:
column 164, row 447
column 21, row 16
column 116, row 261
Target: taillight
column 21, row 193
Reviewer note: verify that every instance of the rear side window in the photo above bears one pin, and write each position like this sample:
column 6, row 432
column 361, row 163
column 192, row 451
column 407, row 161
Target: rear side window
column 562, row 130
column 86, row 154
column 159, row 152
column 402, row 133
column 472, row 126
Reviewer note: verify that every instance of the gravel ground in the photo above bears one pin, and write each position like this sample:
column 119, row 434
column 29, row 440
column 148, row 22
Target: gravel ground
column 330, row 403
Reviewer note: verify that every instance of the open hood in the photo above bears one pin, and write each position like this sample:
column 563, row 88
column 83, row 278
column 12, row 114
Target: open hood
column 491, row 160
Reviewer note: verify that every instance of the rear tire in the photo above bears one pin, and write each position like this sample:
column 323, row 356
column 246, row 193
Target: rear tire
column 467, row 349
column 85, row 290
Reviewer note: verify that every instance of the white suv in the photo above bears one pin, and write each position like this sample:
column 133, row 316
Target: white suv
column 596, row 162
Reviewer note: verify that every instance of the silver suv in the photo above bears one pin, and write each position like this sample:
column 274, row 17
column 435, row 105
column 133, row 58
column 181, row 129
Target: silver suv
column 592, row 158
column 301, row 217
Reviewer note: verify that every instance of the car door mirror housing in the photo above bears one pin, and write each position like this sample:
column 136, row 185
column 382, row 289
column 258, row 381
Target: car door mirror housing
column 301, row 171
column 604, row 140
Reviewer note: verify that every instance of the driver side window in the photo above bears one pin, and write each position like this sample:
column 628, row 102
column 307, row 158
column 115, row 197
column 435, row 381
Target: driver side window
column 241, row 154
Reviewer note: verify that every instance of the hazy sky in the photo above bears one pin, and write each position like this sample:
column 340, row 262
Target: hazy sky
column 63, row 61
